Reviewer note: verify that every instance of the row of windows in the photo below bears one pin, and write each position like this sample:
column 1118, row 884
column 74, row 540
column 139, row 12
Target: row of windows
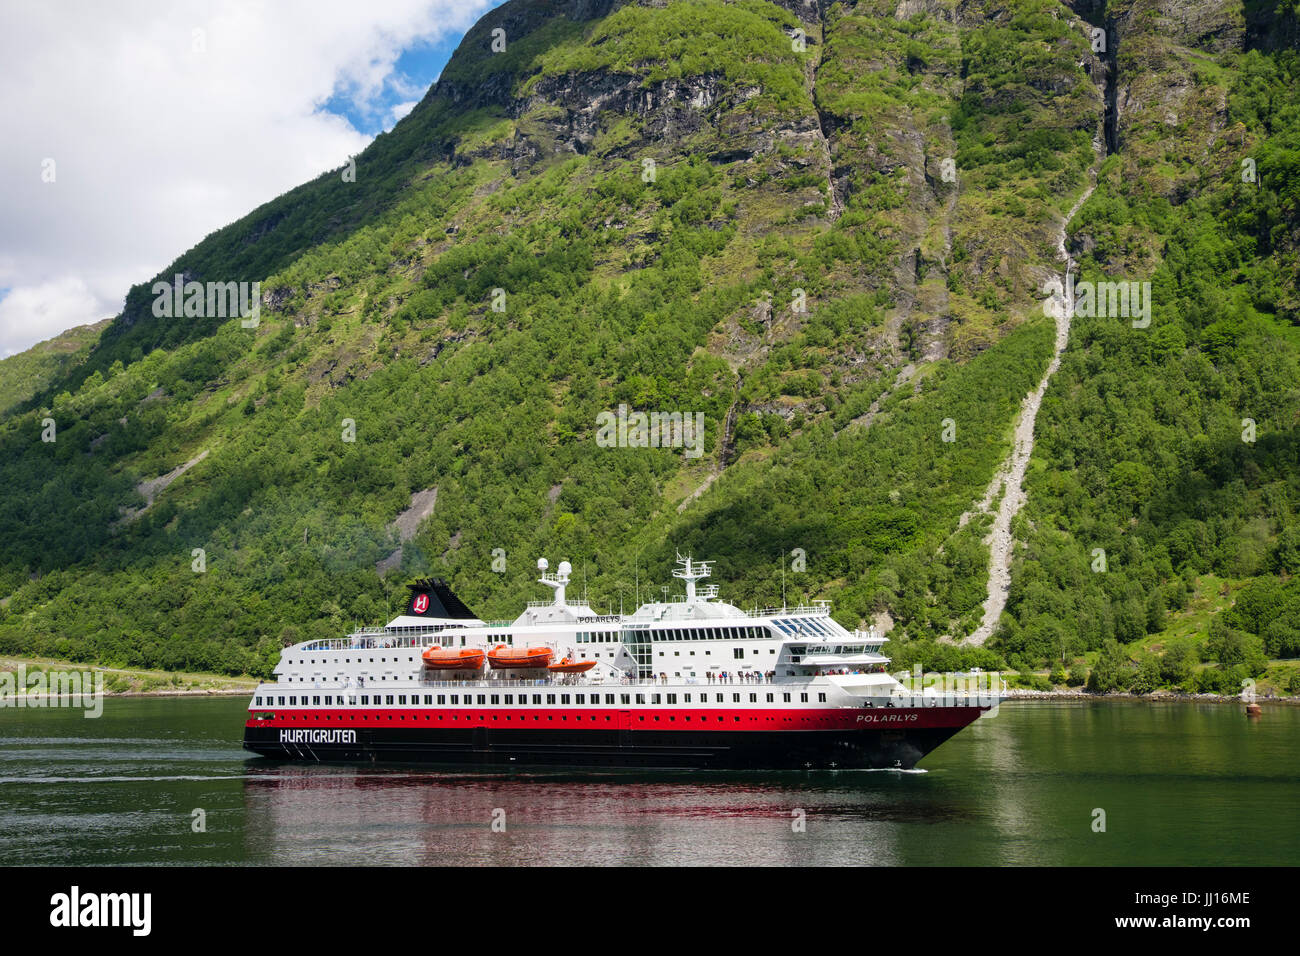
column 706, row 634
column 347, row 660
column 596, row 637
column 469, row 700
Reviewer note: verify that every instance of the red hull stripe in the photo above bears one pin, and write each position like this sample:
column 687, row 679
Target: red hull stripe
column 602, row 718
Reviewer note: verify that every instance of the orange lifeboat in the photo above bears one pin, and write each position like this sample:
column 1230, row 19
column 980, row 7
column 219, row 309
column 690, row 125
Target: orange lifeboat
column 569, row 666
column 451, row 659
column 503, row 657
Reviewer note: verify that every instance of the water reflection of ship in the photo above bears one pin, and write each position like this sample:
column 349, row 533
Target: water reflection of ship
column 305, row 815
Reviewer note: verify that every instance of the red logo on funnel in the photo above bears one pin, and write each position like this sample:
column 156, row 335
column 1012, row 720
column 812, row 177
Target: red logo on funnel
column 420, row 604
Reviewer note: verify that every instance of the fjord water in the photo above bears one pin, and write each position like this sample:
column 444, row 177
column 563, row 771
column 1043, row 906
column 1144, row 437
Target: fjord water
column 1180, row 784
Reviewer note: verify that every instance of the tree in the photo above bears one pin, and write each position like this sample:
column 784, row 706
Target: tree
column 1108, row 674
column 1176, row 665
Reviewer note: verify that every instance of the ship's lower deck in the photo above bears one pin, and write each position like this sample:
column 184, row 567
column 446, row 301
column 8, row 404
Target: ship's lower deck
column 840, row 738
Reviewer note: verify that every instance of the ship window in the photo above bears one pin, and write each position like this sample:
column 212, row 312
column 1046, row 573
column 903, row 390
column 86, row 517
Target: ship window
column 293, row 701
column 735, row 698
column 672, row 699
column 316, row 701
column 442, row 699
column 738, row 653
column 655, row 699
column 719, row 696
column 389, row 699
column 803, row 698
column 786, row 698
column 482, row 698
column 580, row 699
column 609, row 698
column 769, row 698
column 564, row 698
column 281, row 701
column 753, row 698
column 510, row 698
column 550, row 698
column 455, row 698
column 428, row 699
column 640, row 698
column 821, row 698
column 537, row 698
column 626, row 698
column 496, row 699
column 401, row 698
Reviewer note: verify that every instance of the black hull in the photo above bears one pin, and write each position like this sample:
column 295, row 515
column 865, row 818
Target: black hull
column 665, row 750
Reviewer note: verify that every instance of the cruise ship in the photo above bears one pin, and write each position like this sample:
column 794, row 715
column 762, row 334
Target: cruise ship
column 684, row 683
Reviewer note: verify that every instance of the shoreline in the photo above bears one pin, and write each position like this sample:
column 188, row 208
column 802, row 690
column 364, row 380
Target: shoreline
column 1170, row 696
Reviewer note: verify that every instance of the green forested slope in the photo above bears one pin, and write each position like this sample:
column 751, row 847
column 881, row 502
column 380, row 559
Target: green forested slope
column 775, row 169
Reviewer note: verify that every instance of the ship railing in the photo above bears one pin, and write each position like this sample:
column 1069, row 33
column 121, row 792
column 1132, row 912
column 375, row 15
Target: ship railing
column 375, row 640
column 819, row 608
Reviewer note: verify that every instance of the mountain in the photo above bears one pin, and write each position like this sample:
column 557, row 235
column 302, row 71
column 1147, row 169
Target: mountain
column 829, row 230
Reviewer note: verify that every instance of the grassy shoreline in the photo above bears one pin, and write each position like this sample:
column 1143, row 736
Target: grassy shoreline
column 139, row 681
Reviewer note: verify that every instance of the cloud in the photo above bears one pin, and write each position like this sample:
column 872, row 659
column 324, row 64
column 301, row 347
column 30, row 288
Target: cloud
column 45, row 310
column 134, row 129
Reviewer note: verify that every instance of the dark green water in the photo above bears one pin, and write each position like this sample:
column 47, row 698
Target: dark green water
column 1180, row 784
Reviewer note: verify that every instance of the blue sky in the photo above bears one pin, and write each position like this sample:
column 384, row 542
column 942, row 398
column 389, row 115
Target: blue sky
column 416, row 70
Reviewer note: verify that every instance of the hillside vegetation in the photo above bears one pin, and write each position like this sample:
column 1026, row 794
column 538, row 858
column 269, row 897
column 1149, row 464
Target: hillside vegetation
column 824, row 227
